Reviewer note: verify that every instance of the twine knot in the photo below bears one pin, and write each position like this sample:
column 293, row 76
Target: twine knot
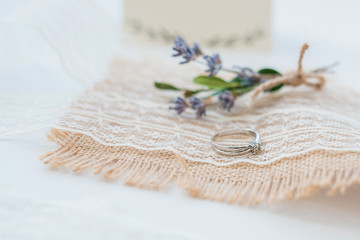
column 292, row 79
column 295, row 79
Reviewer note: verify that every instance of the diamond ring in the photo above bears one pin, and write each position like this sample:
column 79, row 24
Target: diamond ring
column 227, row 149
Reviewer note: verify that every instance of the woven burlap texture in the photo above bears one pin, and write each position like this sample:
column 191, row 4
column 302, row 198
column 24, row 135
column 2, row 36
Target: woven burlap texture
column 122, row 128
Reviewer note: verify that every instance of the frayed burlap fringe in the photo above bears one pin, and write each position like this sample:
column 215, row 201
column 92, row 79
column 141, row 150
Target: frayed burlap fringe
column 294, row 178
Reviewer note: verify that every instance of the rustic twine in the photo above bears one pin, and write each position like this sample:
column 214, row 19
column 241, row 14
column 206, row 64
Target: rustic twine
column 292, row 79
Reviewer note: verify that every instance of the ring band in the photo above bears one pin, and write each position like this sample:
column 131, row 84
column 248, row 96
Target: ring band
column 253, row 146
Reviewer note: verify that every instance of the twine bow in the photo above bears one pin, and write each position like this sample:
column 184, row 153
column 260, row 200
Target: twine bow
column 292, row 79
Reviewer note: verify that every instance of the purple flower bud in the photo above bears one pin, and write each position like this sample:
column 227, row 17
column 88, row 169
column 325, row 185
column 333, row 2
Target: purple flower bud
column 182, row 49
column 187, row 54
column 199, row 106
column 227, row 100
column 214, row 64
column 196, row 49
column 180, row 105
column 248, row 76
column 179, row 45
column 248, row 72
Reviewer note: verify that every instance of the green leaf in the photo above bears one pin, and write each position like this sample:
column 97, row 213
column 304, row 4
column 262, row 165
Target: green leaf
column 215, row 82
column 166, row 86
column 211, row 82
column 268, row 71
column 276, row 88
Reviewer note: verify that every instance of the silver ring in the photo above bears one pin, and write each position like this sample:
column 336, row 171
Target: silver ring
column 253, row 146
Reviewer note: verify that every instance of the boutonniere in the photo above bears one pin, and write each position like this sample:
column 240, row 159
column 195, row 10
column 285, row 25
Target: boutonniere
column 245, row 80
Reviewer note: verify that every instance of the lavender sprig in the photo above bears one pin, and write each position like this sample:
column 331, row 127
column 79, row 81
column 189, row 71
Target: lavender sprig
column 227, row 100
column 188, row 53
column 197, row 104
column 180, row 105
column 214, row 64
column 193, row 53
column 249, row 77
column 227, row 91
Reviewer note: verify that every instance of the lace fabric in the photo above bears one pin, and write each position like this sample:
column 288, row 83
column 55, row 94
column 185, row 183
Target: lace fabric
column 126, row 110
column 122, row 127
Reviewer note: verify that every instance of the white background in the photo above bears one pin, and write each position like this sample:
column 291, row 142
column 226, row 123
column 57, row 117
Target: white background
column 330, row 27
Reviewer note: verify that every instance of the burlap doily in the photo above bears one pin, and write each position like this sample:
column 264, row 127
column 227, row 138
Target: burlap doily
column 122, row 127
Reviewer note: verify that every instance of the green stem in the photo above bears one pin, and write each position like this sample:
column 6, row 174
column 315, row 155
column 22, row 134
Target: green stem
column 211, row 95
column 222, row 68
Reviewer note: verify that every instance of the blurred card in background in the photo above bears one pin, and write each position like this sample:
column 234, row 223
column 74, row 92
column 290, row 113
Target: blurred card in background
column 241, row 24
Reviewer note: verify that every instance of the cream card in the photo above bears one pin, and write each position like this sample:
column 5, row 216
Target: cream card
column 241, row 24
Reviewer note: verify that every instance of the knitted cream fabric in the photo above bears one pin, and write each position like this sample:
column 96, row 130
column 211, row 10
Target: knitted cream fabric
column 122, row 127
